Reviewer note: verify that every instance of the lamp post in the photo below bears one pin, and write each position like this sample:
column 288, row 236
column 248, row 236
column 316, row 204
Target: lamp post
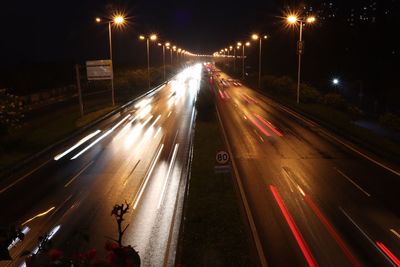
column 293, row 19
column 163, row 52
column 117, row 20
column 151, row 37
column 257, row 37
column 239, row 44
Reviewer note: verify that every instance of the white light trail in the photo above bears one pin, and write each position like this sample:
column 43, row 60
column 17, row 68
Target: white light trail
column 80, row 142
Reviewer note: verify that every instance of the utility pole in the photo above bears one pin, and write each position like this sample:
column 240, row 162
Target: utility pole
column 78, row 85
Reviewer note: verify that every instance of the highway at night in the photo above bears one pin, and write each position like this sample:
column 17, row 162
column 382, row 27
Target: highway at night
column 139, row 156
column 312, row 198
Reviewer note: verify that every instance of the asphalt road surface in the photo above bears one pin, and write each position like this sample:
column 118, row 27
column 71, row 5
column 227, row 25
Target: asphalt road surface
column 314, row 198
column 139, row 156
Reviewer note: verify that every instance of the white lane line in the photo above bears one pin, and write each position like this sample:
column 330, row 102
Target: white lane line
column 146, row 179
column 395, row 233
column 168, row 173
column 365, row 235
column 354, row 183
column 343, row 143
column 259, row 136
column 23, row 177
column 79, row 173
column 80, row 142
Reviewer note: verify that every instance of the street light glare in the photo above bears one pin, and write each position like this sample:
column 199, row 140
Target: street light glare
column 167, row 44
column 247, row 43
column 292, row 19
column 335, row 81
column 98, row 19
column 153, row 37
column 118, row 19
column 239, row 44
column 311, row 19
column 141, row 37
column 254, row 37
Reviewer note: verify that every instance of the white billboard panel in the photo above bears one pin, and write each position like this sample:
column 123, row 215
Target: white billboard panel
column 99, row 69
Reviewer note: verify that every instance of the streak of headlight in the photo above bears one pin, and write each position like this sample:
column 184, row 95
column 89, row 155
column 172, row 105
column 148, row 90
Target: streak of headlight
column 83, row 140
column 168, row 173
column 146, row 110
column 100, row 138
column 143, row 103
column 38, row 215
column 137, row 199
column 25, row 230
column 158, row 131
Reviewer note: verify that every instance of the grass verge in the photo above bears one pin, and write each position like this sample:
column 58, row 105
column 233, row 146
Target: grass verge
column 43, row 132
column 214, row 232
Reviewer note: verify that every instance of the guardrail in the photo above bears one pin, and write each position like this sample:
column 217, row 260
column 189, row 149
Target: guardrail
column 8, row 171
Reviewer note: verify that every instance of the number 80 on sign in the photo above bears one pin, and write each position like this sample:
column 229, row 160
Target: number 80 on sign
column 222, row 157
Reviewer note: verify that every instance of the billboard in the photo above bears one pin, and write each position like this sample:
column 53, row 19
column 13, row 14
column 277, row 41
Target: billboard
column 99, row 70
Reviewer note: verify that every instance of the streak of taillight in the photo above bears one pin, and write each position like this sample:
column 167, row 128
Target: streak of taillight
column 388, row 253
column 227, row 95
column 269, row 125
column 332, row 231
column 298, row 236
column 221, row 94
column 258, row 126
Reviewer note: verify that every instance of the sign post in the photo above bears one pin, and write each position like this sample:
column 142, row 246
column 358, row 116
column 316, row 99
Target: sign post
column 222, row 158
column 101, row 70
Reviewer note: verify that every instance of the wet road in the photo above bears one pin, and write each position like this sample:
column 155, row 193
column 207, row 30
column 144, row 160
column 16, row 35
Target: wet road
column 315, row 200
column 139, row 156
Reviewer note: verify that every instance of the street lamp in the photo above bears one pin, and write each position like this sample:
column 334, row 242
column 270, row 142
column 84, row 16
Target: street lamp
column 257, row 37
column 239, row 44
column 335, row 81
column 151, row 37
column 163, row 52
column 117, row 20
column 293, row 20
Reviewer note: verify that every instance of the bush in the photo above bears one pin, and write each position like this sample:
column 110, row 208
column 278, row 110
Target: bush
column 277, row 85
column 308, row 94
column 334, row 100
column 354, row 112
column 390, row 120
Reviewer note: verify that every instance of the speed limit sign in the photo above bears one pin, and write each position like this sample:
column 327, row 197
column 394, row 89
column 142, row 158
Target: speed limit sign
column 222, row 157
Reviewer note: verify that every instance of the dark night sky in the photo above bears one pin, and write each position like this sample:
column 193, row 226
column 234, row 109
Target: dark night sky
column 53, row 30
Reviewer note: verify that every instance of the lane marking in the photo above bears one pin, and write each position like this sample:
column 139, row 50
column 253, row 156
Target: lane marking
column 133, row 169
column 365, row 235
column 269, row 125
column 354, row 183
column 395, row 233
column 343, row 143
column 293, row 227
column 79, row 173
column 390, row 254
column 23, row 177
column 146, row 179
column 38, row 215
column 249, row 215
column 259, row 136
column 168, row 173
column 332, row 231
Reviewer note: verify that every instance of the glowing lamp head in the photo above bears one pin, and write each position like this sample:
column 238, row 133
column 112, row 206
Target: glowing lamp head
column 119, row 19
column 255, row 37
column 98, row 20
column 230, row 48
column 167, row 44
column 141, row 37
column 292, row 19
column 335, row 81
column 311, row 19
column 247, row 43
column 265, row 37
column 153, row 37
column 179, row 50
column 239, row 44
